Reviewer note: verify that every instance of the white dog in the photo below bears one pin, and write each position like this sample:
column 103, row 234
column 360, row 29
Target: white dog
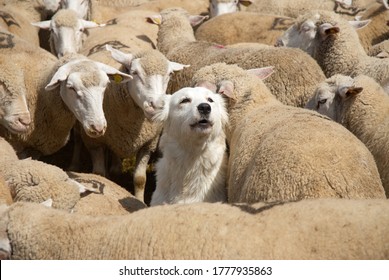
column 193, row 166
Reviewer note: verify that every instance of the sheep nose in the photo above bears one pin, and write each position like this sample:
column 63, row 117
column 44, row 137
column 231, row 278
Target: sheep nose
column 279, row 43
column 98, row 129
column 25, row 119
column 204, row 108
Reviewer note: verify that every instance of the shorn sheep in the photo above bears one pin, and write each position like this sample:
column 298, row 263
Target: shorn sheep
column 57, row 93
column 328, row 229
column 274, row 148
column 362, row 106
column 295, row 73
column 193, row 166
column 335, row 45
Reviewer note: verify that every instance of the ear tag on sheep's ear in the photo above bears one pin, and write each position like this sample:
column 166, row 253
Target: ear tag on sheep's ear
column 117, row 78
column 245, row 3
column 157, row 19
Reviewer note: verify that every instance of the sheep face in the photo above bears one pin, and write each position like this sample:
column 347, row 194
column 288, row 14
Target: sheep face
column 83, row 83
column 193, row 112
column 151, row 73
column 67, row 31
column 331, row 95
column 81, row 7
column 14, row 113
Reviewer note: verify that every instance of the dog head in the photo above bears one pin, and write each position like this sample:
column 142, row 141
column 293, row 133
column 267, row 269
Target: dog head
column 192, row 111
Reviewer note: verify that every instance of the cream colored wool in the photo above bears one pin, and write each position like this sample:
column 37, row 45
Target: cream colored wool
column 109, row 198
column 295, row 73
column 5, row 195
column 328, row 229
column 365, row 114
column 280, row 153
column 240, row 27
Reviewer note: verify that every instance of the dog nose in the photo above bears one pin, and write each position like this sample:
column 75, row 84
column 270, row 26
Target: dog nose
column 204, row 108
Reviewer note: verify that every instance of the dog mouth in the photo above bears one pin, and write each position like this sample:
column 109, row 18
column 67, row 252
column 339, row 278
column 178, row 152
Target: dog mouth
column 202, row 124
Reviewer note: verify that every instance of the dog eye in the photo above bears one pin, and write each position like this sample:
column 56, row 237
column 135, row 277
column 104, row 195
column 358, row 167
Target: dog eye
column 210, row 99
column 185, row 100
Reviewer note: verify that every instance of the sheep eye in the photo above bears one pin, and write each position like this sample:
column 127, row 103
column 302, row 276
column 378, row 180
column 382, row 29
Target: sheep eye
column 210, row 99
column 185, row 100
column 322, row 101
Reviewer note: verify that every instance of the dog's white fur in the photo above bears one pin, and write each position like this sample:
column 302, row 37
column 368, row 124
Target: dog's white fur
column 193, row 166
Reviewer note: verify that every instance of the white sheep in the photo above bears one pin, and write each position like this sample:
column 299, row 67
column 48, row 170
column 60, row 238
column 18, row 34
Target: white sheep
column 239, row 27
column 82, row 8
column 67, row 31
column 361, row 105
column 310, row 229
column 5, row 194
column 220, row 7
column 193, row 166
column 334, row 43
column 57, row 93
column 295, row 73
column 280, row 152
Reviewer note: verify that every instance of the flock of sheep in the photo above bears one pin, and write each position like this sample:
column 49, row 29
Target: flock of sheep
column 269, row 118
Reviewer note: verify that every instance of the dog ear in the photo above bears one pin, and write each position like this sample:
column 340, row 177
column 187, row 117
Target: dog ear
column 161, row 110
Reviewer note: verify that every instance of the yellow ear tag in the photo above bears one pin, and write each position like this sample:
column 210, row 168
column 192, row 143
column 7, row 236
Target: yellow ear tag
column 117, row 78
column 154, row 19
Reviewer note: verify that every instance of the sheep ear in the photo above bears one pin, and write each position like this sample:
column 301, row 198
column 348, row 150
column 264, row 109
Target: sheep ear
column 262, row 73
column 208, row 85
column 156, row 19
column 327, row 29
column 114, row 74
column 196, row 20
column 160, row 112
column 345, row 2
column 59, row 76
column 42, row 24
column 227, row 88
column 245, row 3
column 91, row 24
column 385, row 3
column 174, row 66
column 383, row 54
column 82, row 188
column 348, row 92
column 119, row 56
column 358, row 24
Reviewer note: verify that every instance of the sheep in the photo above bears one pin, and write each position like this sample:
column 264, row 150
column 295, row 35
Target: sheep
column 88, row 194
column 36, row 9
column 334, row 43
column 36, row 181
column 310, row 229
column 193, row 166
column 14, row 114
column 233, row 28
column 67, row 31
column 361, row 105
column 57, row 93
column 380, row 50
column 220, row 7
column 127, row 109
column 294, row 71
column 274, row 148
